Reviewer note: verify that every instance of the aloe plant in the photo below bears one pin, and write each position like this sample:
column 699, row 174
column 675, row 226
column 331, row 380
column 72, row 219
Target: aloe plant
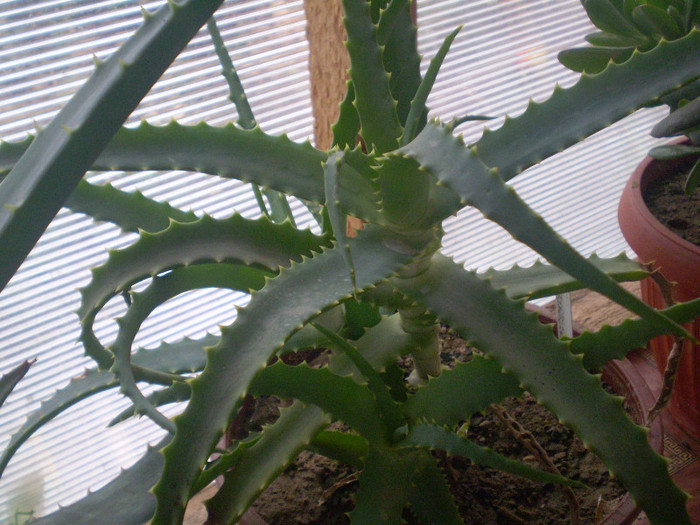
column 369, row 298
column 626, row 27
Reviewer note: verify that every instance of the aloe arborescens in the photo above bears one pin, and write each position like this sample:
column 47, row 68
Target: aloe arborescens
column 369, row 298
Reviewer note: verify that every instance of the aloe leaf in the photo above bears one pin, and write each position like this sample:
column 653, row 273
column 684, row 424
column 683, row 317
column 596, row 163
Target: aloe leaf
column 183, row 357
column 588, row 106
column 347, row 128
column 461, row 170
column 331, row 170
column 9, row 381
column 593, row 60
column 279, row 206
column 257, row 243
column 131, row 211
column 614, row 342
column 176, row 393
column 543, row 280
column 436, row 437
column 545, row 367
column 263, row 461
column 397, row 34
column 125, row 499
column 388, row 410
column 229, row 152
column 246, row 119
column 385, row 484
column 343, row 447
column 607, row 17
column 258, row 332
column 379, row 123
column 430, row 498
column 460, row 392
column 160, row 290
column 655, row 20
column 339, row 396
column 43, row 178
column 680, row 120
column 405, row 191
column 418, row 108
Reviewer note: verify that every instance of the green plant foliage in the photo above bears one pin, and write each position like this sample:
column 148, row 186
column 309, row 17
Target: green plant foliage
column 640, row 26
column 364, row 300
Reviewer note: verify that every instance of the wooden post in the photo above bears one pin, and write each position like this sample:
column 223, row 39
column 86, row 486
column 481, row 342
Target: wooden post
column 328, row 63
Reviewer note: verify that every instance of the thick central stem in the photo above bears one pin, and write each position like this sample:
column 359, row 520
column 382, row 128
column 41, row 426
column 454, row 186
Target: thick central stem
column 421, row 325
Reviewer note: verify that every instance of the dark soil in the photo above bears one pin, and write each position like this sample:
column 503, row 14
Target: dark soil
column 314, row 490
column 676, row 210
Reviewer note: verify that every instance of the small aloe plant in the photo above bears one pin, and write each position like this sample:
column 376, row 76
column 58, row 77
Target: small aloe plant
column 640, row 25
column 369, row 298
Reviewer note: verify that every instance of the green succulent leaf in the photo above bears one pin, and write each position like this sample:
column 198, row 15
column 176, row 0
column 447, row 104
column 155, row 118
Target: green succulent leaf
column 545, row 367
column 259, row 243
column 418, row 108
column 461, row 170
column 682, row 119
column 592, row 103
column 385, row 484
column 183, row 357
column 9, row 381
column 258, row 332
column 264, row 460
column 343, row 447
column 339, row 396
column 462, row 391
column 125, row 499
column 656, row 20
column 606, row 16
column 593, row 60
column 543, row 280
column 161, row 289
column 388, row 410
column 436, row 437
column 131, row 211
column 430, row 498
column 397, row 34
column 376, row 107
column 614, row 342
column 44, row 177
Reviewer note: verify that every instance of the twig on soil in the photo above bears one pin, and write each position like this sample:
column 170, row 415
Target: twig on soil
column 528, row 440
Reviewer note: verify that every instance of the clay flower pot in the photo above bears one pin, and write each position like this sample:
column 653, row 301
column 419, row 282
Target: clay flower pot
column 679, row 261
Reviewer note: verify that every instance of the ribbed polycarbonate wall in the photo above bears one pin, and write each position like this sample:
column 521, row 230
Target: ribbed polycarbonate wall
column 505, row 54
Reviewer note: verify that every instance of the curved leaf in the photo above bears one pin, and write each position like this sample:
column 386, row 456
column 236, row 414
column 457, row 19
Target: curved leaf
column 379, row 123
column 275, row 312
column 461, row 170
column 588, row 106
column 435, row 437
column 43, row 178
column 545, row 367
column 460, row 392
column 183, row 357
column 259, row 243
column 125, row 499
column 262, row 462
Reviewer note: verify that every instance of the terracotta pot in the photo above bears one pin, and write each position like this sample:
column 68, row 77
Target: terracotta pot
column 679, row 261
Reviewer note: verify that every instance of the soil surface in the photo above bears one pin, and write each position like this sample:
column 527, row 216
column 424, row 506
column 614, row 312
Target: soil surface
column 676, row 210
column 315, row 490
